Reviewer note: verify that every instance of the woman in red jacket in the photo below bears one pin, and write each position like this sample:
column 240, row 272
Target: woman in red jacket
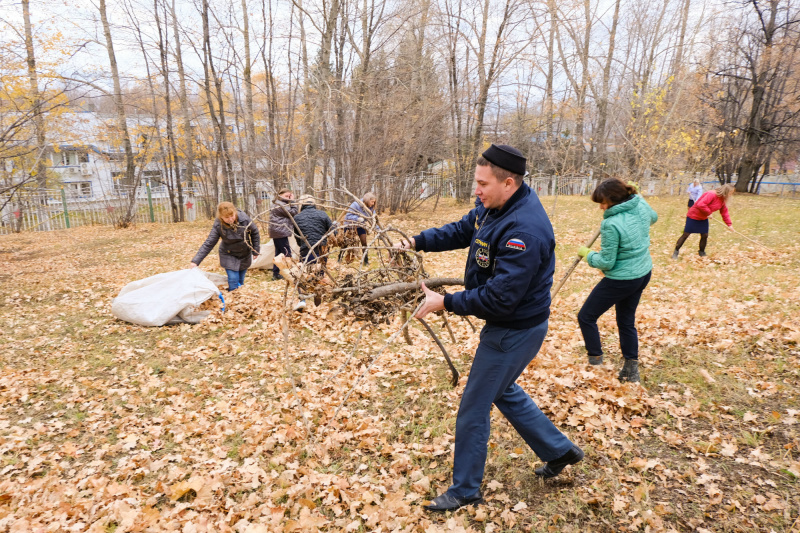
column 697, row 217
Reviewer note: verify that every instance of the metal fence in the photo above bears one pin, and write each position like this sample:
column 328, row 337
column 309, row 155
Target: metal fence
column 54, row 209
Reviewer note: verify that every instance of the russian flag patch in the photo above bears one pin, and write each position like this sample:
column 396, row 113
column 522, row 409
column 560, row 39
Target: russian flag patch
column 516, row 244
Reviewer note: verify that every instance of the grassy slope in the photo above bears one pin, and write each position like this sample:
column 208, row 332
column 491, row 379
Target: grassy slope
column 114, row 427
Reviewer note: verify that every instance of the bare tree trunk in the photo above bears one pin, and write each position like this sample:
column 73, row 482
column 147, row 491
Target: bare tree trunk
column 184, row 101
column 579, row 86
column 677, row 65
column 218, row 120
column 602, row 102
column 548, row 95
column 369, row 23
column 38, row 118
column 249, row 120
column 177, row 210
column 154, row 102
column 488, row 69
column 753, row 157
column 273, row 129
column 322, row 85
column 122, row 121
column 463, row 188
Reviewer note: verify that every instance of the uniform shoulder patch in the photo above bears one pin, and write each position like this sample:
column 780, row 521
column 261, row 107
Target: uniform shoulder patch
column 516, row 244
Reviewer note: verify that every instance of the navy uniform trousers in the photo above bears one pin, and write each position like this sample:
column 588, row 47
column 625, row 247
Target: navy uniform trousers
column 501, row 357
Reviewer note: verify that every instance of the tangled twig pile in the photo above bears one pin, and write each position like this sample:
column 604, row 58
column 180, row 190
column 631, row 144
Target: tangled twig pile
column 375, row 292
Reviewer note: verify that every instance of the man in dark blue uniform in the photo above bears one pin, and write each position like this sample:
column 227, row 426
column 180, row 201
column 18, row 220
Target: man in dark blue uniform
column 507, row 283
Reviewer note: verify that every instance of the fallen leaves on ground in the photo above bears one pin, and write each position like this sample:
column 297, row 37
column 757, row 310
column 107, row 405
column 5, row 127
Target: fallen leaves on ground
column 224, row 426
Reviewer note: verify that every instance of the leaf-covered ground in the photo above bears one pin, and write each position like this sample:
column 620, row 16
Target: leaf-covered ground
column 105, row 426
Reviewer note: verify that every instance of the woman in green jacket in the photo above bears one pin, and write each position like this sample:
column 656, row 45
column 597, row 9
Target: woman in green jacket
column 624, row 259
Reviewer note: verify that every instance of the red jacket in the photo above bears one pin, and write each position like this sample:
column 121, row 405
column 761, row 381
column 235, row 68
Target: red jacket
column 707, row 204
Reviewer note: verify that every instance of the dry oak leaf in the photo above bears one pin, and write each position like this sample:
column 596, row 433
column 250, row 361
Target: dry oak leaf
column 198, row 490
column 639, row 463
column 775, row 503
column 620, row 504
column 494, row 485
column 519, row 507
column 728, row 449
column 124, row 514
column 422, row 485
column 307, row 521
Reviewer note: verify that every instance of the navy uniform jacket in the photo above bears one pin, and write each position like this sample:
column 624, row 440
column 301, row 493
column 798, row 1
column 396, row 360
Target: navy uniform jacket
column 510, row 265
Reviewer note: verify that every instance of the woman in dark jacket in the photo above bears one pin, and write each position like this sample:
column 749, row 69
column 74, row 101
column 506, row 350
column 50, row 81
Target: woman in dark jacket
column 281, row 226
column 240, row 243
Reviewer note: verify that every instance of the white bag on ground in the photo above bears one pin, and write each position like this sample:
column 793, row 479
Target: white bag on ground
column 159, row 299
column 264, row 260
column 217, row 279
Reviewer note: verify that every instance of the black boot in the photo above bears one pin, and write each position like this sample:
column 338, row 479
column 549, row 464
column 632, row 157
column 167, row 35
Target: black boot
column 554, row 467
column 448, row 502
column 675, row 253
column 630, row 371
column 595, row 360
column 701, row 253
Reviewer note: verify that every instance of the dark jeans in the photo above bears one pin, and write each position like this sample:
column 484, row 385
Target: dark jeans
column 235, row 278
column 281, row 247
column 624, row 295
column 501, row 357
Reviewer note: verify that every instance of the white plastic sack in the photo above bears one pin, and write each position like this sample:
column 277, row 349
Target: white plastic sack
column 159, row 299
column 264, row 260
column 217, row 279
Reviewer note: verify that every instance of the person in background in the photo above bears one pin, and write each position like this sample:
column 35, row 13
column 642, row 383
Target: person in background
column 314, row 224
column 695, row 190
column 357, row 216
column 697, row 217
column 240, row 243
column 281, row 226
column 624, row 258
column 507, row 282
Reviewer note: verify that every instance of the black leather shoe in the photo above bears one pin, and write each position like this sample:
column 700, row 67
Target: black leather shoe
column 448, row 502
column 554, row 467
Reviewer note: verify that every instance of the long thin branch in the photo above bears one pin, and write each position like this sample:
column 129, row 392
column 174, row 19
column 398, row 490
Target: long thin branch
column 453, row 370
column 394, row 288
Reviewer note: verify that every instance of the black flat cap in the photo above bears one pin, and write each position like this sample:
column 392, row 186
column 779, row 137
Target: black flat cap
column 506, row 157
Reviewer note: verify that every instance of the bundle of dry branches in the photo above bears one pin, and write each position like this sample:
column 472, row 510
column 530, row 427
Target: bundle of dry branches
column 374, row 292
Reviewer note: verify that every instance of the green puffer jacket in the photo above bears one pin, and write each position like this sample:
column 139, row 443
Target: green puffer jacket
column 625, row 247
